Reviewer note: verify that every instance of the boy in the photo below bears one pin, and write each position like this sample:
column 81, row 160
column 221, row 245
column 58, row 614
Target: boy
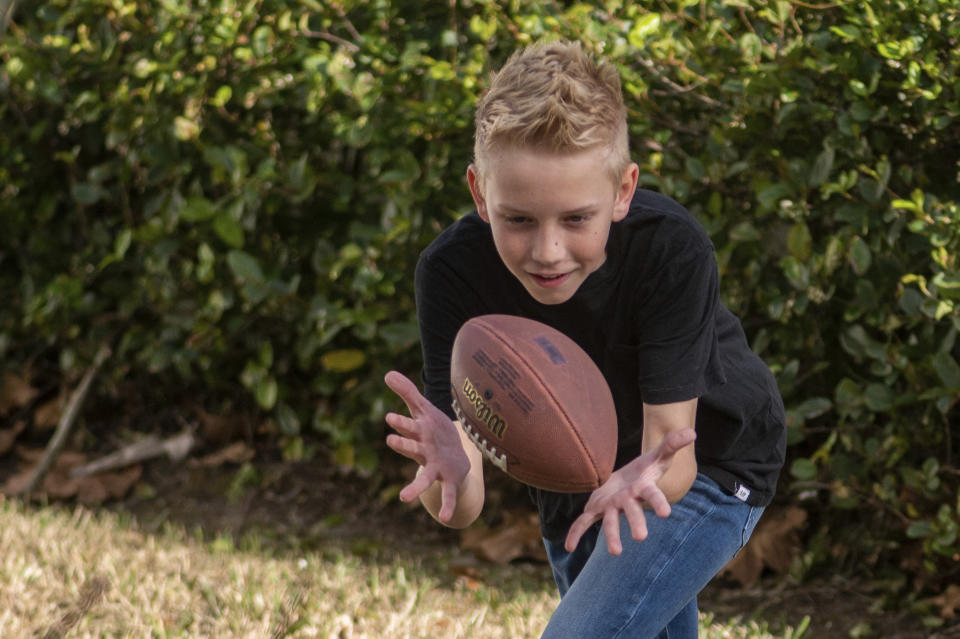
column 562, row 235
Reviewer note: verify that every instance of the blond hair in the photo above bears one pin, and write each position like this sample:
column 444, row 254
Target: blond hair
column 553, row 97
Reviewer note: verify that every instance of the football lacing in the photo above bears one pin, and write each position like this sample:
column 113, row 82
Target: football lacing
column 490, row 452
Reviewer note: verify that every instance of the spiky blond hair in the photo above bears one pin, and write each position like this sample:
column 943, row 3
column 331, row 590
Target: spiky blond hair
column 553, row 97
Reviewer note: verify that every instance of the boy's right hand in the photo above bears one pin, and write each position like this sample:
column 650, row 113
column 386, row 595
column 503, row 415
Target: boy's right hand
column 431, row 439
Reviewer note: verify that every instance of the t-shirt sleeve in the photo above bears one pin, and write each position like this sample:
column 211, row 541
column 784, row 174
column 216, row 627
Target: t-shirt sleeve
column 441, row 311
column 678, row 350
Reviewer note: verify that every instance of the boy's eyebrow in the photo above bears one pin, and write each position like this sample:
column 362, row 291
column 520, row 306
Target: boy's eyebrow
column 590, row 208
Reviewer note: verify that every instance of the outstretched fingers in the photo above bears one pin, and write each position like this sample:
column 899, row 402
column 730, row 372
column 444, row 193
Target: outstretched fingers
column 654, row 497
column 448, row 501
column 407, row 390
column 418, row 486
column 580, row 526
column 675, row 441
column 637, row 520
column 409, row 448
column 611, row 529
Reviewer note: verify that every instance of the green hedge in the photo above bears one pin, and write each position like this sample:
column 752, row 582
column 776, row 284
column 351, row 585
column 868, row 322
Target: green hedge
column 233, row 194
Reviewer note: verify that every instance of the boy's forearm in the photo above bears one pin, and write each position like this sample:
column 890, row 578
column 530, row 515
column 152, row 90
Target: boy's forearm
column 470, row 493
column 678, row 479
column 658, row 422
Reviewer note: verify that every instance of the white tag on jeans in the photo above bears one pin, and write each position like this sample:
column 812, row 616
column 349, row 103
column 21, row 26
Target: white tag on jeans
column 742, row 493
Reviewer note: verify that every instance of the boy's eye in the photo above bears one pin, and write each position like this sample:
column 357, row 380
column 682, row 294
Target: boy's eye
column 516, row 219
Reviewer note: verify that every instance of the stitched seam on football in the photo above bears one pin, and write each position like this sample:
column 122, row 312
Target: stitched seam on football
column 574, row 426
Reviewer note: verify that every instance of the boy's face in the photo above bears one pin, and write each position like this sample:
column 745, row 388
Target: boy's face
column 550, row 215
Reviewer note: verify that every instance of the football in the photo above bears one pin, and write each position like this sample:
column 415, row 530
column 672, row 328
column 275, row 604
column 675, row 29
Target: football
column 534, row 403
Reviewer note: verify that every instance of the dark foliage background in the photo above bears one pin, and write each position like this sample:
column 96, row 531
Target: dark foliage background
column 232, row 195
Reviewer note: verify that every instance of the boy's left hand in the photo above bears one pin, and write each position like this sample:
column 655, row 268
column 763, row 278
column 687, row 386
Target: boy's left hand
column 627, row 490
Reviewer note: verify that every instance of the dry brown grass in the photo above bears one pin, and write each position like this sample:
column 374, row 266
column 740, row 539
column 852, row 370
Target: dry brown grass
column 76, row 573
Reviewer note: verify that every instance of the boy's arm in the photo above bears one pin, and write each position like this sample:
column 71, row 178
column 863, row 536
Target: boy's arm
column 664, row 472
column 450, row 479
column 659, row 420
column 470, row 493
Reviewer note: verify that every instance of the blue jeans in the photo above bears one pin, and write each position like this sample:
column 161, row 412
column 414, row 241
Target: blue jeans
column 650, row 590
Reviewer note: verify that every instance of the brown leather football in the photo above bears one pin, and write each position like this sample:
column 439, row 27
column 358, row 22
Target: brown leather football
column 534, row 403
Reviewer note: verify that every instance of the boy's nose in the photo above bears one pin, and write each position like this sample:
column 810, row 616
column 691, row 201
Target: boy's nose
column 548, row 247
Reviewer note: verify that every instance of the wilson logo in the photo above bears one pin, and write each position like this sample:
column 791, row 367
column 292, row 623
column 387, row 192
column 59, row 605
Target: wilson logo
column 494, row 423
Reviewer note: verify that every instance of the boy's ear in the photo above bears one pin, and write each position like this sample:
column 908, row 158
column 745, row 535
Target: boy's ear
column 628, row 184
column 473, row 181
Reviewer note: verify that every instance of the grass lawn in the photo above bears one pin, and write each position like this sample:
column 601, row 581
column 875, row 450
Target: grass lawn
column 80, row 573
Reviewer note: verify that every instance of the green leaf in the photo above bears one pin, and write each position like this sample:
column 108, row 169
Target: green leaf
column 796, row 272
column 803, row 469
column 228, row 229
column 122, row 243
column 87, row 194
column 643, row 27
column 744, row 232
column 287, row 420
column 860, row 256
column 861, row 111
column 770, row 196
column 185, row 129
column 947, row 370
column 858, row 343
column 344, row 361
column 197, row 209
column 822, row 167
column 919, row 529
column 904, row 204
column 244, row 266
column 800, row 242
column 878, row 397
column 399, row 333
column 897, row 49
column 265, row 392
column 870, row 189
column 345, row 456
column 750, row 45
column 262, row 40
column 847, row 396
column 847, row 32
column 813, row 407
column 222, row 96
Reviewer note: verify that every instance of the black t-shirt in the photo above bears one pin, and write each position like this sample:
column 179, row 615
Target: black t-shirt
column 651, row 319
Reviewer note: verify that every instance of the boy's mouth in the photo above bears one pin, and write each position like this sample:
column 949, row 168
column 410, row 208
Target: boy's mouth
column 550, row 281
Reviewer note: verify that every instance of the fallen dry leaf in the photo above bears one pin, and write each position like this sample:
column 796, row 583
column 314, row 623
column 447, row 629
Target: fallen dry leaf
column 469, row 576
column 235, row 453
column 58, row 483
column 48, row 414
column 218, row 430
column 15, row 484
column 32, row 455
column 95, row 489
column 16, row 392
column 517, row 537
column 774, row 544
column 9, row 435
column 949, row 601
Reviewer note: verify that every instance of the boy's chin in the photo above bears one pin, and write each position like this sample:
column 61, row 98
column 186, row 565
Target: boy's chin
column 550, row 297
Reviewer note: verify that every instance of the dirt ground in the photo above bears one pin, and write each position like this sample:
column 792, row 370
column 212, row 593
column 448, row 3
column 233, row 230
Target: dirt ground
column 309, row 507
